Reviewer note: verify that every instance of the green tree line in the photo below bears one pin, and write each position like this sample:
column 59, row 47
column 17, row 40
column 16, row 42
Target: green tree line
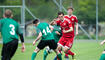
column 85, row 10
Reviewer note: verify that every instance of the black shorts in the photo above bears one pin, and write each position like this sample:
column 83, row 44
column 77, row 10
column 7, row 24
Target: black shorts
column 9, row 49
column 43, row 43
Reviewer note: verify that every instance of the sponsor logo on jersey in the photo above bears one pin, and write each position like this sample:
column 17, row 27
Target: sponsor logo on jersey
column 72, row 19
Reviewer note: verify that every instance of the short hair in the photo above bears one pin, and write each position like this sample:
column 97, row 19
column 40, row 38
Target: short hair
column 70, row 8
column 8, row 13
column 59, row 13
column 35, row 21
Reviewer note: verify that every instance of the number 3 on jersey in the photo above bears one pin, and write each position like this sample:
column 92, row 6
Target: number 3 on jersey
column 12, row 32
column 48, row 30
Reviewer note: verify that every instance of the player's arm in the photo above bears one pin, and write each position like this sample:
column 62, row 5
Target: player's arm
column 102, row 42
column 53, row 22
column 57, row 32
column 76, row 28
column 22, row 41
column 51, row 28
column 21, row 38
column 76, row 20
column 1, row 22
column 70, row 27
column 67, row 31
column 39, row 36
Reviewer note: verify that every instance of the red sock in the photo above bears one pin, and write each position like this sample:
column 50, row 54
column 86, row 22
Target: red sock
column 60, row 51
column 57, row 58
column 66, row 54
column 70, row 53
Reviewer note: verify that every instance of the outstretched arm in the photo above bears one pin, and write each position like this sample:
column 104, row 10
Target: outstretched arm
column 22, row 41
column 67, row 31
column 53, row 22
column 102, row 42
column 39, row 36
column 51, row 28
column 76, row 28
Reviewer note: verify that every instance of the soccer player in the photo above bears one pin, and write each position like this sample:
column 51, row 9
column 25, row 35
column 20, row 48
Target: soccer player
column 57, row 34
column 103, row 54
column 74, row 22
column 47, row 38
column 67, row 37
column 10, row 31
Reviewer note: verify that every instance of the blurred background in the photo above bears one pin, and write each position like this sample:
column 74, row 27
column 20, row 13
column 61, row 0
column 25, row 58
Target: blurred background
column 25, row 11
column 90, row 14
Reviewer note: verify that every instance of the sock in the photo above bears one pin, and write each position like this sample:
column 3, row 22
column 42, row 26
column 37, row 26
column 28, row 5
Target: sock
column 60, row 51
column 70, row 53
column 102, row 57
column 45, row 55
column 59, row 56
column 33, row 56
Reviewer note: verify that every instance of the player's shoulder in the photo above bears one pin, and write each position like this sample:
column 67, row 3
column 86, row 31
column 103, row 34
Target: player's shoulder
column 74, row 16
column 45, row 23
column 65, row 16
column 67, row 20
column 3, row 19
column 14, row 21
column 41, row 24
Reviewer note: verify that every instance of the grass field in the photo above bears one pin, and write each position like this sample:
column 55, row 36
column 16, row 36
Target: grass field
column 85, row 50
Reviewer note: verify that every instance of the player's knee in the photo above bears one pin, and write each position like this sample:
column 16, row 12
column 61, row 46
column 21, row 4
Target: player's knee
column 36, row 50
column 65, row 50
column 59, row 47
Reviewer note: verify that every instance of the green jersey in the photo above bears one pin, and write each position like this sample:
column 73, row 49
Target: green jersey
column 56, row 36
column 45, row 30
column 9, row 30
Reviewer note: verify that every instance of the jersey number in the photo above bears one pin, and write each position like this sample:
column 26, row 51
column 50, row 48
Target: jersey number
column 48, row 31
column 12, row 32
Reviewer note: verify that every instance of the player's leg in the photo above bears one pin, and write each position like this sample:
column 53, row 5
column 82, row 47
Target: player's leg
column 53, row 46
column 35, row 53
column 46, row 52
column 40, row 46
column 58, row 54
column 71, row 53
column 4, row 54
column 68, row 46
column 7, row 51
column 14, row 47
column 102, row 56
column 45, row 55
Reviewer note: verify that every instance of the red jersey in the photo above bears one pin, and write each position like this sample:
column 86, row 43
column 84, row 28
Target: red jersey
column 73, row 19
column 65, row 25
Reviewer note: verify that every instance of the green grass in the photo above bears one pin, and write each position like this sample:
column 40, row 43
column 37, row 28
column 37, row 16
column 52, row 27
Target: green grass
column 85, row 50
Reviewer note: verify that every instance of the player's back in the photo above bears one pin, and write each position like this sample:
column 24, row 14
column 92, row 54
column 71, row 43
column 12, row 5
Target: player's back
column 9, row 29
column 45, row 30
column 56, row 36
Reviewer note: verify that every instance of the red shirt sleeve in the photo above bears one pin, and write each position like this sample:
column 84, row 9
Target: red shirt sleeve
column 76, row 20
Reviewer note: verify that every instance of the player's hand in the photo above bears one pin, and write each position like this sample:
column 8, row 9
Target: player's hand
column 34, row 42
column 102, row 42
column 54, row 19
column 57, row 32
column 23, row 47
column 64, row 31
column 76, row 33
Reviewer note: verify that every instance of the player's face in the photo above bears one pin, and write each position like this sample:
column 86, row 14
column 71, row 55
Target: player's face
column 35, row 25
column 61, row 17
column 70, row 11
